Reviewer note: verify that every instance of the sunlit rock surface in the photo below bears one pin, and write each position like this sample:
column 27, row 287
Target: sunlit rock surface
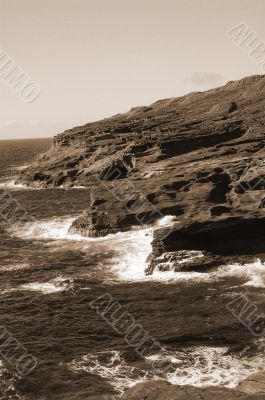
column 199, row 157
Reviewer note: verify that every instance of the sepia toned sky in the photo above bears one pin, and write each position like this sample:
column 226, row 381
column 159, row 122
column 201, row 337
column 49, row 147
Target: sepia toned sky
column 96, row 58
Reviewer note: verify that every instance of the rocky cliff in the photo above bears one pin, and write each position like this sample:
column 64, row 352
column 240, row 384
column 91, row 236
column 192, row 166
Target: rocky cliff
column 199, row 157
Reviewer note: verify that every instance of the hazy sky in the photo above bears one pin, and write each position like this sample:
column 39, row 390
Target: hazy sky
column 96, row 58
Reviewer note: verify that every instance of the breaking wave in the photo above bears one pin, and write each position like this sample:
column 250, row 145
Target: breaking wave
column 48, row 229
column 132, row 249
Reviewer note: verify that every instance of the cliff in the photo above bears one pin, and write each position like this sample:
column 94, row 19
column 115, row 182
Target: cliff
column 199, row 157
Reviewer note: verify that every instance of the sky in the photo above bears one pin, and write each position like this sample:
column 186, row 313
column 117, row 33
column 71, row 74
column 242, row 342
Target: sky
column 96, row 58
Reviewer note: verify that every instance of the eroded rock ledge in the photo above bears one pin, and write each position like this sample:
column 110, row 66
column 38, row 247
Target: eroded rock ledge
column 199, row 157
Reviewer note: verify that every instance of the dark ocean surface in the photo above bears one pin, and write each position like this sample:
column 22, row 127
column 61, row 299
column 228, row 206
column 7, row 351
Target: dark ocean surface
column 48, row 278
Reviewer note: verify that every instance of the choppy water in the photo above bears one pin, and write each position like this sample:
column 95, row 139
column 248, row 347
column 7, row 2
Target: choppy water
column 48, row 278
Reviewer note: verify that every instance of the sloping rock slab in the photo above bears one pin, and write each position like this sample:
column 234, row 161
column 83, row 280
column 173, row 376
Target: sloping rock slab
column 162, row 390
column 253, row 384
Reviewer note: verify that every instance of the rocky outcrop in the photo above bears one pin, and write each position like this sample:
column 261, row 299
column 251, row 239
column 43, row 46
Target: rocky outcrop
column 161, row 390
column 226, row 239
column 254, row 384
column 199, row 157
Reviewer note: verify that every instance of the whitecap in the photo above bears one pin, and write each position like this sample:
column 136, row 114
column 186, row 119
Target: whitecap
column 57, row 285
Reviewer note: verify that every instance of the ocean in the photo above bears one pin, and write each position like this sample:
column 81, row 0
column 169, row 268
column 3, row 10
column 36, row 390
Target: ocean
column 50, row 279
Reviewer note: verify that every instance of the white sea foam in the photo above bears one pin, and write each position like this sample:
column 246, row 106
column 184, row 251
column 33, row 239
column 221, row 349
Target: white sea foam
column 133, row 260
column 168, row 220
column 198, row 366
column 56, row 228
column 132, row 250
column 10, row 184
column 57, row 285
column 132, row 247
column 21, row 167
column 13, row 267
column 170, row 276
column 44, row 287
column 111, row 366
column 253, row 273
column 51, row 229
column 209, row 366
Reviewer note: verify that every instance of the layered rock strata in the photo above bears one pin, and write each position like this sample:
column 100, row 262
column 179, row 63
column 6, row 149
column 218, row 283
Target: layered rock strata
column 199, row 158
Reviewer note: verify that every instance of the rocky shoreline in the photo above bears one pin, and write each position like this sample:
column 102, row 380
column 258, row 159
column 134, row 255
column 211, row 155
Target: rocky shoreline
column 253, row 388
column 199, row 158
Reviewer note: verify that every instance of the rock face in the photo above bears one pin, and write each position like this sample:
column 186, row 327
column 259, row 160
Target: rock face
column 161, row 390
column 199, row 157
